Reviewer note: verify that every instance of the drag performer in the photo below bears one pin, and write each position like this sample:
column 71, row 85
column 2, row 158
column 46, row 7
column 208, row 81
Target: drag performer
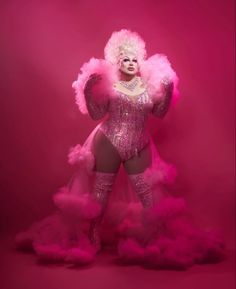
column 121, row 91
column 122, row 137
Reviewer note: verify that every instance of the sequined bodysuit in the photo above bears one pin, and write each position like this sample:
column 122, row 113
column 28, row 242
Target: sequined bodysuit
column 125, row 126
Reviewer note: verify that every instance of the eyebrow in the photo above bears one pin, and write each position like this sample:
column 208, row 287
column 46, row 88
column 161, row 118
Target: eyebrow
column 130, row 58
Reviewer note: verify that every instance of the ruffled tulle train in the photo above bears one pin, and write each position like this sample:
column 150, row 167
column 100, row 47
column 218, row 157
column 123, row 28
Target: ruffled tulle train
column 162, row 237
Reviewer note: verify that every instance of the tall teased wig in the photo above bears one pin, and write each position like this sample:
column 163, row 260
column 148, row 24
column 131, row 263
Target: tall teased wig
column 124, row 41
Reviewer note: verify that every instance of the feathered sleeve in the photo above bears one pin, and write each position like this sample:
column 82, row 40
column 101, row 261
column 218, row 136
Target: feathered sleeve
column 94, row 87
column 161, row 82
column 97, row 107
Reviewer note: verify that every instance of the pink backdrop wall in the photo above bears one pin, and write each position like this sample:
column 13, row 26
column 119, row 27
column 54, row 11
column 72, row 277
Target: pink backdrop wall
column 43, row 45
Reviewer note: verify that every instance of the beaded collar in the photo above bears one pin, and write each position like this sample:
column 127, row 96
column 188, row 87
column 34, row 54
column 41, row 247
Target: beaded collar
column 130, row 85
column 131, row 88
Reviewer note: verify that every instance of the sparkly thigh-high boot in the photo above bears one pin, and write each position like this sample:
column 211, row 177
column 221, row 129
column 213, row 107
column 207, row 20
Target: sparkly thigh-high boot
column 102, row 187
column 142, row 189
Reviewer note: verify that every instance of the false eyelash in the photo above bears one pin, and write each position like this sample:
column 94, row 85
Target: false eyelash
column 126, row 59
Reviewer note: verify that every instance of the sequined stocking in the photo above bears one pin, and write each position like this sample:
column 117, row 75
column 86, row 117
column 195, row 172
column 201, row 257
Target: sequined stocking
column 101, row 190
column 142, row 189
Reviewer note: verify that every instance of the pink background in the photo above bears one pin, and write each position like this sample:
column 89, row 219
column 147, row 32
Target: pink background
column 43, row 45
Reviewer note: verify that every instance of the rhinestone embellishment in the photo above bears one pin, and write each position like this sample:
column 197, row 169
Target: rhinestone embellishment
column 130, row 85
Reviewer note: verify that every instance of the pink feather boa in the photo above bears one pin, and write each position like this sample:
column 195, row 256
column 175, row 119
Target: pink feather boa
column 152, row 71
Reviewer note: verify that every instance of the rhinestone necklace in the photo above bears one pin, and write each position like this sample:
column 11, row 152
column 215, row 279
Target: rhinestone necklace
column 130, row 85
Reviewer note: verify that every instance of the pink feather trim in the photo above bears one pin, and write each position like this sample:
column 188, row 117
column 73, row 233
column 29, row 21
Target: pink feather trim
column 171, row 240
column 153, row 71
column 101, row 90
column 81, row 156
column 81, row 205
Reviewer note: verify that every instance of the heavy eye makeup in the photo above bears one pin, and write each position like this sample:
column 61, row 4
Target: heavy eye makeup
column 127, row 59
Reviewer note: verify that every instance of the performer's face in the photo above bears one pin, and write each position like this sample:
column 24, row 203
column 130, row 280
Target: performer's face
column 129, row 64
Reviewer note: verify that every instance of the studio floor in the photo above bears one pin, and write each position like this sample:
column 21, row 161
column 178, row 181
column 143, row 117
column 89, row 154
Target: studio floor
column 21, row 270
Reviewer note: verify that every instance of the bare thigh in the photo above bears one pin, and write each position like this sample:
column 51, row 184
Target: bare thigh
column 139, row 163
column 107, row 159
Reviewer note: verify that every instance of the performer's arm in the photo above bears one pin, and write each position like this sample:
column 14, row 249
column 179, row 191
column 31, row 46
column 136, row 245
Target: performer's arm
column 161, row 107
column 96, row 109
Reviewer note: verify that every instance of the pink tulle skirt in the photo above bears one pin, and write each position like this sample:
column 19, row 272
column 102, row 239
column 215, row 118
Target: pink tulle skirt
column 162, row 237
